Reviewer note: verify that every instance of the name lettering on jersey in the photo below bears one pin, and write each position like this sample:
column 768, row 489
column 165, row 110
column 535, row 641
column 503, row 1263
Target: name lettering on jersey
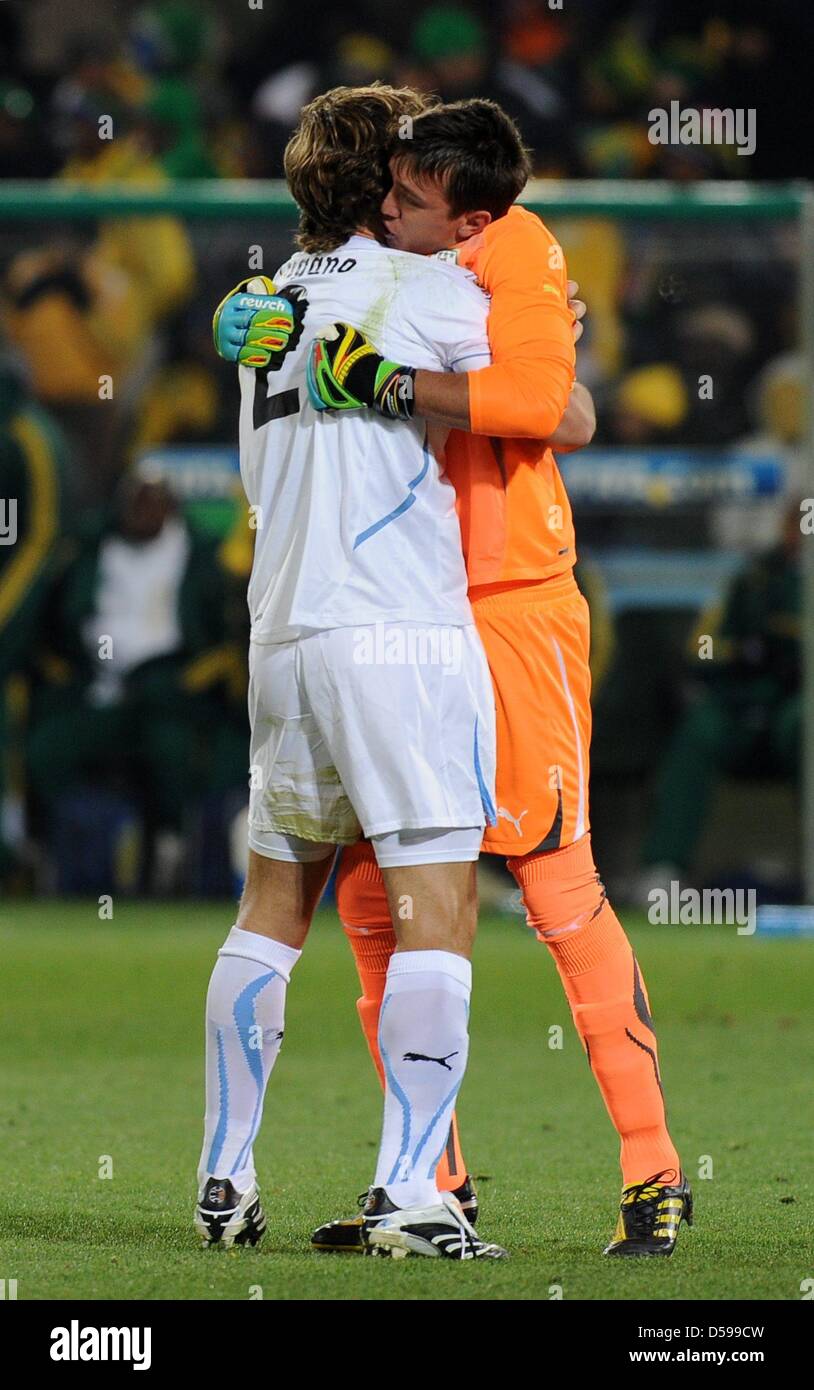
column 317, row 265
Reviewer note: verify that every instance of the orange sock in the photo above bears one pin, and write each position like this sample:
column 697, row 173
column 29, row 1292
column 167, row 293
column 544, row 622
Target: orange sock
column 566, row 904
column 362, row 905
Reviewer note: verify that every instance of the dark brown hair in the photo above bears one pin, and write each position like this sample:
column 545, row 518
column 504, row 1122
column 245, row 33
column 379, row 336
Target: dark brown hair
column 474, row 149
column 336, row 160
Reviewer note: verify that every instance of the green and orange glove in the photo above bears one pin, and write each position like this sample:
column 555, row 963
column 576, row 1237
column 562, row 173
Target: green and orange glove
column 254, row 326
column 346, row 372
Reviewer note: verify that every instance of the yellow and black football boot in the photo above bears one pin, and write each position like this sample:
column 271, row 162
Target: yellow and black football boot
column 344, row 1236
column 650, row 1215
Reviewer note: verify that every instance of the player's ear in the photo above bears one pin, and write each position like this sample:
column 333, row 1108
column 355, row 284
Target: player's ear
column 472, row 223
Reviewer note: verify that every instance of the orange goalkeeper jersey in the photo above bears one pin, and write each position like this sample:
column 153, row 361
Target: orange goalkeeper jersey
column 514, row 511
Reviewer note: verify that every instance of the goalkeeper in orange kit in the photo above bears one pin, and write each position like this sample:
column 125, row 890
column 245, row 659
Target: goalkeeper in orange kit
column 454, row 183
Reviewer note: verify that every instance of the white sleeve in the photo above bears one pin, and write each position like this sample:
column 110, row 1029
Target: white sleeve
column 448, row 312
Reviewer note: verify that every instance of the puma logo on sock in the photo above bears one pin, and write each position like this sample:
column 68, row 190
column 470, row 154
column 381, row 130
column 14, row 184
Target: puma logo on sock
column 420, row 1057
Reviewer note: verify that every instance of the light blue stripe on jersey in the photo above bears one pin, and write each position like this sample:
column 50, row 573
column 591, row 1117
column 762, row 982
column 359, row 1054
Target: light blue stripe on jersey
column 403, row 506
column 486, row 800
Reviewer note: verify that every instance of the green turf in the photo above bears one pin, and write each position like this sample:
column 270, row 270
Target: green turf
column 100, row 1039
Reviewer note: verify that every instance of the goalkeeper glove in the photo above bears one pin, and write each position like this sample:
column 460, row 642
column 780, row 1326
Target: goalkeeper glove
column 255, row 326
column 346, row 372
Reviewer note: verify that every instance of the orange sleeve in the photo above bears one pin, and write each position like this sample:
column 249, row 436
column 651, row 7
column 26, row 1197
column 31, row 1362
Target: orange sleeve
column 524, row 394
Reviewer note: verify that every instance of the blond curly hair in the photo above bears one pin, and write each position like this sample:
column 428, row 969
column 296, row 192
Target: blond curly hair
column 336, row 160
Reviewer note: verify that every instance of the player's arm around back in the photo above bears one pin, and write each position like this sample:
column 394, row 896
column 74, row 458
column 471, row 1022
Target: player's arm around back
column 578, row 425
column 526, row 390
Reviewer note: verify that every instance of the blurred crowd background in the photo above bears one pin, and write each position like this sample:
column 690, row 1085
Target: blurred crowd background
column 131, row 769
column 212, row 90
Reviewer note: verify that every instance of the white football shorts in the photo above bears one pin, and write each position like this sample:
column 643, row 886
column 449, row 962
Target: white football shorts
column 381, row 728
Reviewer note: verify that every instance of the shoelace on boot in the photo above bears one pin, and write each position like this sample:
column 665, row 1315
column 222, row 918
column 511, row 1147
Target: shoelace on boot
column 642, row 1197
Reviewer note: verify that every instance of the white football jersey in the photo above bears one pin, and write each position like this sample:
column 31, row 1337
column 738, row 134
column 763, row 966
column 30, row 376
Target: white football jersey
column 355, row 521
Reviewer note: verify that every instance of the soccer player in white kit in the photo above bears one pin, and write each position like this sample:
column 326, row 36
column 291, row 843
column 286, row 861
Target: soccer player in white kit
column 370, row 698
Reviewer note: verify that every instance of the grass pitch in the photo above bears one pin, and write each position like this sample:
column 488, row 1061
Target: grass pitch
column 101, row 1034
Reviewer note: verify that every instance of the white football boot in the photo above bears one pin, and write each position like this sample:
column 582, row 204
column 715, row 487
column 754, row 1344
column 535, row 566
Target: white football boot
column 440, row 1231
column 224, row 1216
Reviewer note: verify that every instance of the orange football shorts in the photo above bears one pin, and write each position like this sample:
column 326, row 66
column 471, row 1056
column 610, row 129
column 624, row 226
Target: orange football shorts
column 537, row 641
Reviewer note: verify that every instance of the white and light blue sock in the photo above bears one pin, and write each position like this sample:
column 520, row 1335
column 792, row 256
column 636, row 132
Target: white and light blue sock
column 424, row 1044
column 245, row 1019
